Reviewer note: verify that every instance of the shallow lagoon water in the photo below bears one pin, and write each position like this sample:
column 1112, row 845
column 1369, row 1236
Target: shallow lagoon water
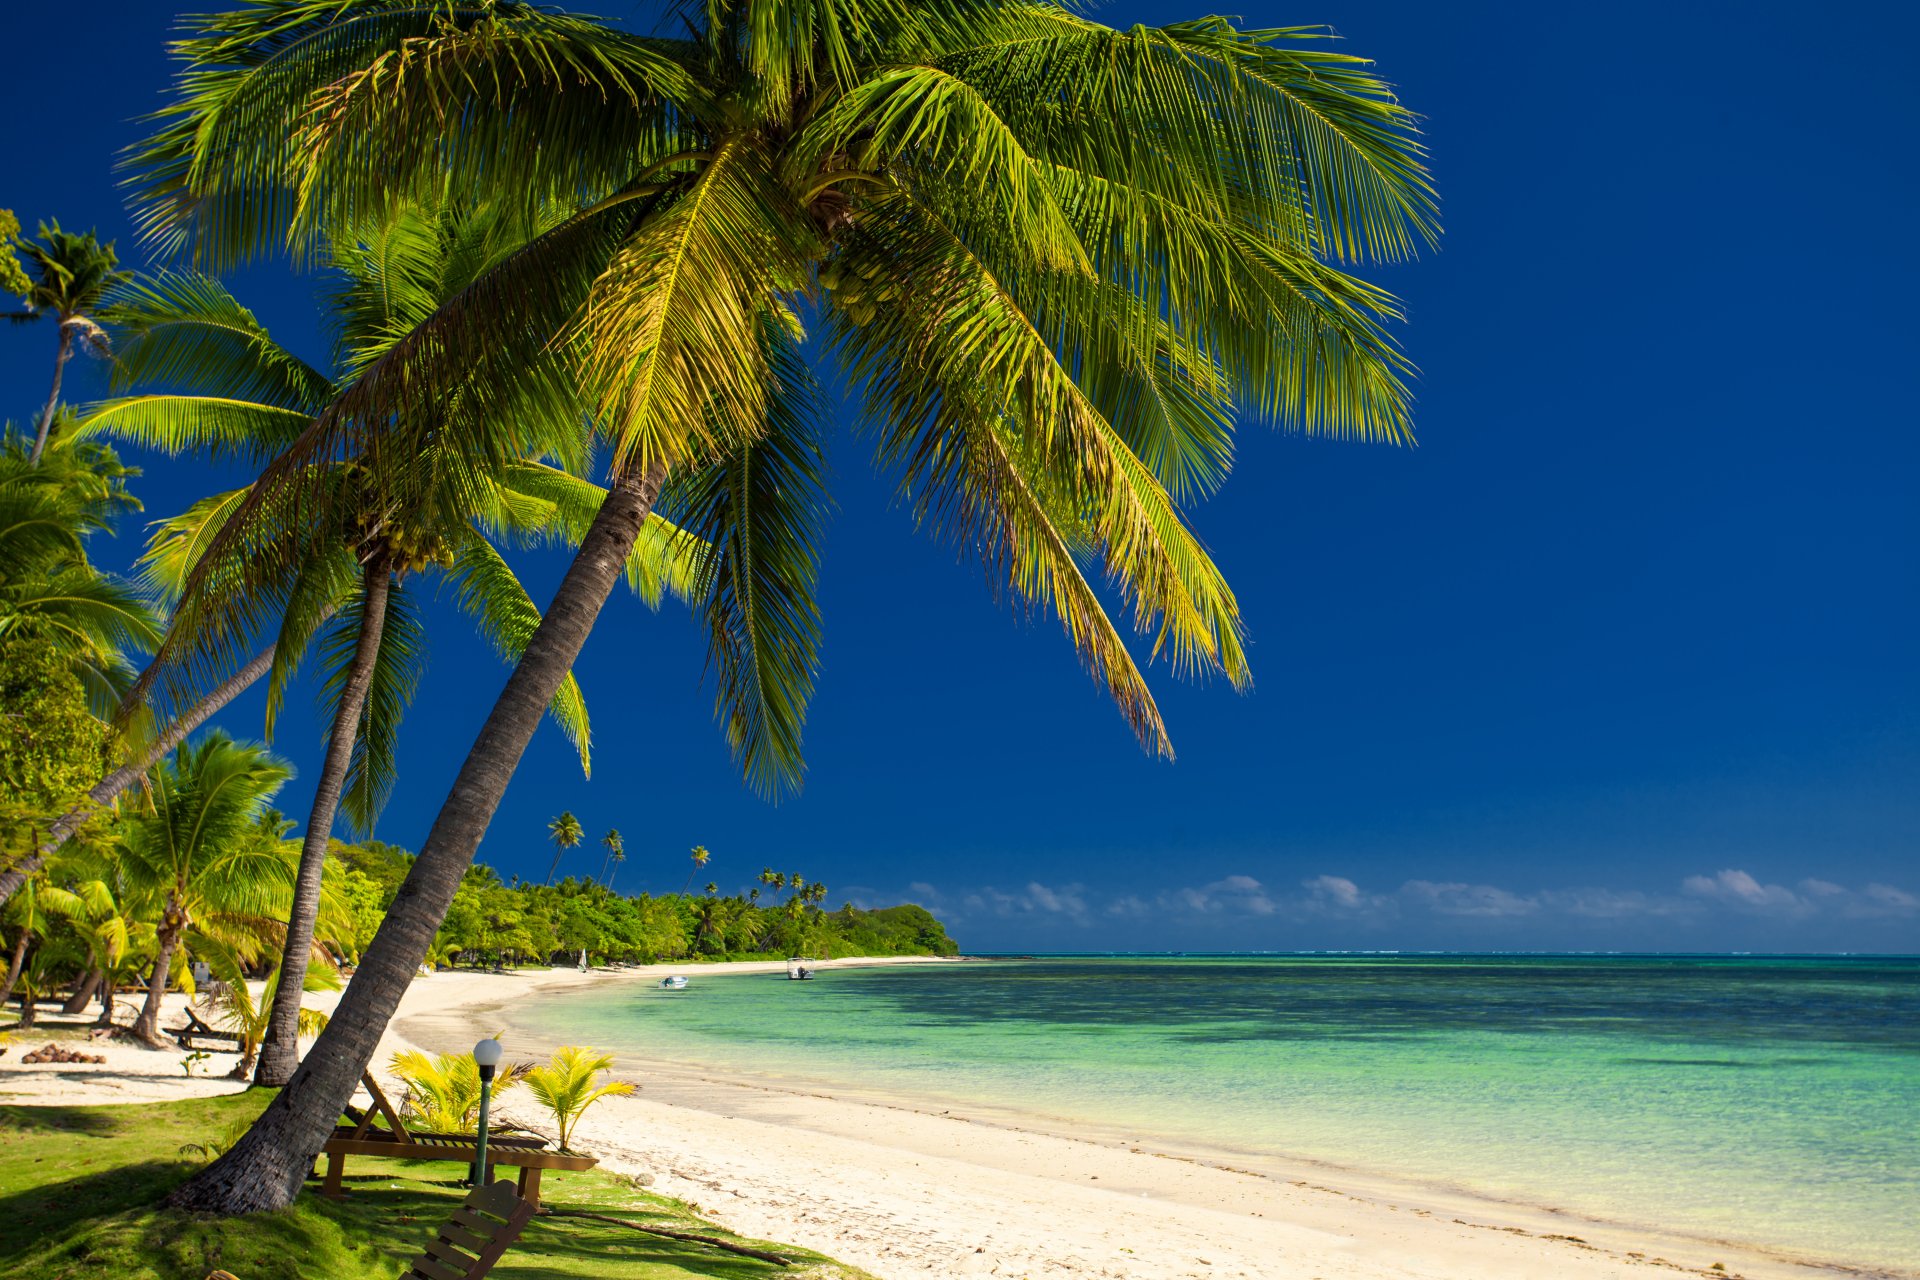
column 1771, row 1101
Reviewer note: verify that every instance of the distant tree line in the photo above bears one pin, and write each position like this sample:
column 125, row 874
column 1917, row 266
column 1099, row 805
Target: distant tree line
column 513, row 922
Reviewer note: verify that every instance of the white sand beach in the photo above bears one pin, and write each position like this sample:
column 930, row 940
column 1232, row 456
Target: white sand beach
column 907, row 1191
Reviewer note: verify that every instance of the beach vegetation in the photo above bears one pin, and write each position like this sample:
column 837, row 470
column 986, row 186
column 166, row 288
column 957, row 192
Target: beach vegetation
column 198, row 373
column 570, row 1083
column 443, row 1091
column 247, row 1013
column 85, row 1188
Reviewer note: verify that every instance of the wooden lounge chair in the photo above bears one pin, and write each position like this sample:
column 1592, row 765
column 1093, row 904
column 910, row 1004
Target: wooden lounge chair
column 484, row 1226
column 525, row 1152
column 195, row 1029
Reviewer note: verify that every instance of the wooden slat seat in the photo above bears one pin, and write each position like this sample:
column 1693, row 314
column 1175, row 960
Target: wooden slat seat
column 482, row 1229
column 198, row 1030
column 526, row 1152
column 531, row 1163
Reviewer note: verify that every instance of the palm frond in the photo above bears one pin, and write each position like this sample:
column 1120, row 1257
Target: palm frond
column 487, row 590
column 184, row 329
column 398, row 666
column 761, row 510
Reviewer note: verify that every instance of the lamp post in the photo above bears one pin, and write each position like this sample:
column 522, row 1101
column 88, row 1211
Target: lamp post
column 486, row 1055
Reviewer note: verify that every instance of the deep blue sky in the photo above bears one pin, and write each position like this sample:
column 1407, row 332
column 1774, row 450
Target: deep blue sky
column 1622, row 655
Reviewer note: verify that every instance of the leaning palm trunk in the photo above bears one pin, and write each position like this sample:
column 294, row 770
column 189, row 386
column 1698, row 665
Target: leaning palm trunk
column 108, row 788
column 18, row 959
column 83, row 993
column 53, row 396
column 172, row 922
column 280, row 1049
column 264, row 1170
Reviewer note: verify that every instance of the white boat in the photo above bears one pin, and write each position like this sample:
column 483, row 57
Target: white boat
column 801, row 968
column 674, row 983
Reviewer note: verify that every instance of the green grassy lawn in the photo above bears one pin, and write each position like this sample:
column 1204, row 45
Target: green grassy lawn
column 80, row 1189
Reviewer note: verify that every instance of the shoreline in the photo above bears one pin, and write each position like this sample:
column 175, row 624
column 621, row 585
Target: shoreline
column 906, row 1186
column 1359, row 1219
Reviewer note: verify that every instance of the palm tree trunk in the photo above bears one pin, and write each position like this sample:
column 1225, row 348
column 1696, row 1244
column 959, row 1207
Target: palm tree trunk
column 264, row 1170
column 106, row 1002
column 53, row 396
column 147, row 1026
column 104, row 791
column 13, row 965
column 280, row 1048
column 77, row 1002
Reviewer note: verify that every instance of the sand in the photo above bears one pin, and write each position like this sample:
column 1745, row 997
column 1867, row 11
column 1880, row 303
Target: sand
column 906, row 1190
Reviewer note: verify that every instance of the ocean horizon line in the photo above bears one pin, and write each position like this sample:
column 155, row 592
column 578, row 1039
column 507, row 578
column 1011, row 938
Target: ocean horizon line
column 1462, row 954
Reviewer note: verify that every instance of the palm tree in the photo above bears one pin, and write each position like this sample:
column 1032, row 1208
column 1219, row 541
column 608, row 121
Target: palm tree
column 71, row 273
column 565, row 832
column 186, row 329
column 619, row 858
column 1055, row 258
column 616, row 852
column 231, row 387
column 710, row 918
column 211, row 858
column 699, row 855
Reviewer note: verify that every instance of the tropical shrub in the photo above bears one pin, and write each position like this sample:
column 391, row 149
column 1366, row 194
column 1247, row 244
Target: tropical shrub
column 443, row 1092
column 570, row 1084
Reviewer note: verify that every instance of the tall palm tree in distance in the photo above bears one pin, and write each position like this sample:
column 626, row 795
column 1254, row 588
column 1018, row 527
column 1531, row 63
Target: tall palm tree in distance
column 616, row 852
column 1056, row 260
column 699, row 855
column 565, row 832
column 71, row 274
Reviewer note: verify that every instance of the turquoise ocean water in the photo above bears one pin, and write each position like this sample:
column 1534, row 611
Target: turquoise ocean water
column 1771, row 1101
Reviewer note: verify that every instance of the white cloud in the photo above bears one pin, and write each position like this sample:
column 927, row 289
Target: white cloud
column 1739, row 889
column 1608, row 904
column 1468, row 899
column 1036, row 899
column 1892, row 901
column 1336, row 890
column 1330, row 899
column 1234, row 894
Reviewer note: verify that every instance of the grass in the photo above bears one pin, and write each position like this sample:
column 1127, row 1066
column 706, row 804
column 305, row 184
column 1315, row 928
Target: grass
column 80, row 1189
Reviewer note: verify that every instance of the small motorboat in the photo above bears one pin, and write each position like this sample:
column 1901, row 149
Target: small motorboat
column 801, row 968
column 674, row 983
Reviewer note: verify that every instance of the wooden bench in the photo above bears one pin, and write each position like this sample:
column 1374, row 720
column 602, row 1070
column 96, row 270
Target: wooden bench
column 526, row 1152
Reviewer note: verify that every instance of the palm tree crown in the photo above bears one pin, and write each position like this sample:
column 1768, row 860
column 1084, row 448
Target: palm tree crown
column 1057, row 262
column 565, row 831
column 70, row 275
column 1056, row 259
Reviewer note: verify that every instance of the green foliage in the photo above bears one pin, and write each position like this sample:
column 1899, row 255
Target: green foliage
column 199, row 373
column 83, row 1186
column 247, row 1014
column 571, row 1083
column 444, row 1091
column 13, row 276
column 50, row 592
column 1058, row 262
column 71, row 274
column 52, row 748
